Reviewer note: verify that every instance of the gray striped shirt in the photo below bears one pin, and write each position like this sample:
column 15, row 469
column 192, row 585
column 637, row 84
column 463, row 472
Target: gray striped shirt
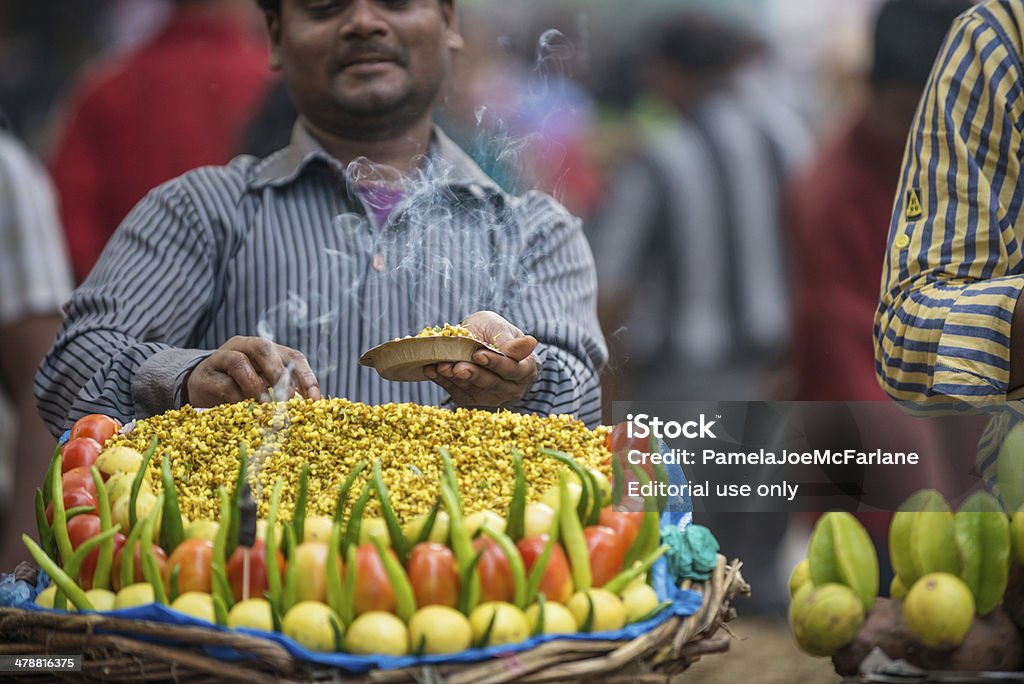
column 283, row 247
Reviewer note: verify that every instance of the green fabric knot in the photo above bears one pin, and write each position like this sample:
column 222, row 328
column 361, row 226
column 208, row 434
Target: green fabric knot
column 692, row 552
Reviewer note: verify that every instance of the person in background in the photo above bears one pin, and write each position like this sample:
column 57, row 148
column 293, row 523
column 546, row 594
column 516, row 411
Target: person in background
column 371, row 224
column 34, row 282
column 840, row 206
column 689, row 245
column 179, row 101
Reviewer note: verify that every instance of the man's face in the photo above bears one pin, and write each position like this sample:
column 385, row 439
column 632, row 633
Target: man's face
column 368, row 68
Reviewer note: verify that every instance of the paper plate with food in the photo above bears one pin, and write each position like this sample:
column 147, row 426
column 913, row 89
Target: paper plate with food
column 404, row 358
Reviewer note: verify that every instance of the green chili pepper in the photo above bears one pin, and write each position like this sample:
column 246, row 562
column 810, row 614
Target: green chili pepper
column 339, row 635
column 421, row 646
column 583, row 507
column 486, row 636
column 78, row 510
column 149, row 567
column 51, row 470
column 398, row 540
column 234, row 520
column 348, row 594
column 270, row 547
column 290, row 573
column 220, row 611
column 649, row 536
column 594, row 511
column 299, row 513
column 515, row 564
column 60, row 521
column 467, row 601
column 405, row 599
column 449, row 474
column 618, row 483
column 140, row 475
column 343, row 491
column 64, row 583
column 517, row 508
column 218, row 564
column 588, row 622
column 334, row 585
column 275, row 615
column 428, row 524
column 172, row 532
column 128, row 556
column 46, row 539
column 539, row 568
column 74, row 566
column 654, row 611
column 355, row 520
column 539, row 629
column 622, row 580
column 572, row 536
column 101, row 576
column 173, row 589
column 461, row 544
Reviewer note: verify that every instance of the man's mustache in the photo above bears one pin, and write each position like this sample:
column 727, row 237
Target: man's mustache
column 367, row 52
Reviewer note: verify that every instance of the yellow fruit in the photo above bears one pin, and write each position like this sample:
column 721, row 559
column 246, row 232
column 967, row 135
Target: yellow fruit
column 119, row 459
column 604, row 487
column 609, row 612
column 551, row 496
column 939, row 610
column 46, row 596
column 143, row 504
column 539, row 517
column 441, row 630
column 373, row 527
column 120, row 485
column 102, row 600
column 438, row 533
column 639, row 600
column 138, row 594
column 557, row 618
column 840, row 551
column 252, row 613
column 261, row 531
column 316, row 528
column 476, row 520
column 800, row 576
column 897, row 590
column 202, row 529
column 377, row 632
column 510, row 625
column 311, row 565
column 312, row 625
column 196, row 604
column 825, row 618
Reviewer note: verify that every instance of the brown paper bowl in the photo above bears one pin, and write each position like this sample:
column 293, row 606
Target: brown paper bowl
column 403, row 360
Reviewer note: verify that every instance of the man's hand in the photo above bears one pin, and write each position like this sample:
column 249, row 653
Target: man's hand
column 492, row 379
column 246, row 368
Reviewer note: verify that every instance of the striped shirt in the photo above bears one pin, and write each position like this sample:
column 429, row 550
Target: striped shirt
column 284, row 248
column 954, row 263
column 34, row 273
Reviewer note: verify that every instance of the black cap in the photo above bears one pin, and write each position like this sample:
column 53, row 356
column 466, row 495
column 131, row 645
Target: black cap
column 908, row 37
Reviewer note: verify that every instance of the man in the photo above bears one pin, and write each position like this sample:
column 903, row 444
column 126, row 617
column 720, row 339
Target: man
column 179, row 101
column 370, row 225
column 949, row 326
column 34, row 282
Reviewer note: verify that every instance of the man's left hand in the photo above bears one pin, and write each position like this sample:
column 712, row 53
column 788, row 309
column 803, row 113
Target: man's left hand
column 492, row 379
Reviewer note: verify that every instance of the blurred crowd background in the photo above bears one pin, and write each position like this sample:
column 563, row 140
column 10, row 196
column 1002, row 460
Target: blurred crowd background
column 733, row 161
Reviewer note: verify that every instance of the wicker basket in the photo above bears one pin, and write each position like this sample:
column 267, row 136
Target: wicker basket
column 118, row 649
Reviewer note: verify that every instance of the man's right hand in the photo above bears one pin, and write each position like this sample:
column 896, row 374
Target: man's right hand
column 246, row 368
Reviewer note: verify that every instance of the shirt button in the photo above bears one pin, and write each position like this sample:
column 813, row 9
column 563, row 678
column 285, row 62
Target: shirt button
column 903, row 241
column 378, row 262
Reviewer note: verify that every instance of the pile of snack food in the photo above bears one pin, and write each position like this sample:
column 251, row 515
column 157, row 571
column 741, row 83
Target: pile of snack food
column 956, row 601
column 395, row 529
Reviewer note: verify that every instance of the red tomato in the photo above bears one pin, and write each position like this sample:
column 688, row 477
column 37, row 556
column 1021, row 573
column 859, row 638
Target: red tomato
column 372, row 589
column 495, row 573
column 556, row 584
column 97, row 426
column 606, row 551
column 88, row 569
column 137, row 574
column 193, row 557
column 82, row 528
column 72, row 499
column 79, row 452
column 433, row 574
column 78, row 478
column 625, row 524
column 257, row 585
